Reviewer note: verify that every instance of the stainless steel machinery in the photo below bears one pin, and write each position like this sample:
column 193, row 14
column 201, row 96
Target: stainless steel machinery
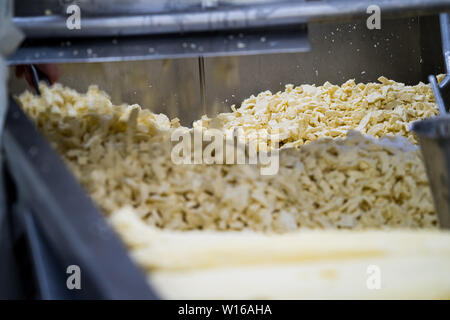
column 183, row 58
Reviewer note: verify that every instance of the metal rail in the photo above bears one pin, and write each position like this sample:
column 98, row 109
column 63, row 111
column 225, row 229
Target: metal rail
column 223, row 18
column 275, row 40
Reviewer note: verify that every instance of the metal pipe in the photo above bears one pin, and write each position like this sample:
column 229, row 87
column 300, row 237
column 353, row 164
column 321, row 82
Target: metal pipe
column 223, row 18
column 201, row 72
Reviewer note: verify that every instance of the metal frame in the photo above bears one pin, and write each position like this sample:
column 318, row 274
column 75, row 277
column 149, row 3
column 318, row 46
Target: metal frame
column 221, row 17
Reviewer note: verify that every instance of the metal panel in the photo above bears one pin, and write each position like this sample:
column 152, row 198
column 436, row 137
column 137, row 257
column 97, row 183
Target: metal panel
column 434, row 138
column 127, row 7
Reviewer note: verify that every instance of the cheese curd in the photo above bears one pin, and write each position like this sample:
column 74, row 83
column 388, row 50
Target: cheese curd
column 303, row 114
column 121, row 155
column 337, row 179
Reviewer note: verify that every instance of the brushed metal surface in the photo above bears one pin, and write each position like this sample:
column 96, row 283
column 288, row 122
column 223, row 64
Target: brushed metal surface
column 434, row 138
column 193, row 45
